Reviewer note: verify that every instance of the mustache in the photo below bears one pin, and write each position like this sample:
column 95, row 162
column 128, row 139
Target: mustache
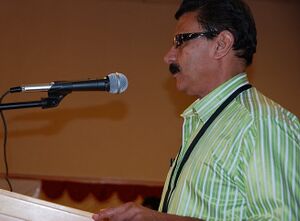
column 174, row 68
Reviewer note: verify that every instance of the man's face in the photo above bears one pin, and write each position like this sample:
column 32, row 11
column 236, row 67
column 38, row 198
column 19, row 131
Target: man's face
column 194, row 59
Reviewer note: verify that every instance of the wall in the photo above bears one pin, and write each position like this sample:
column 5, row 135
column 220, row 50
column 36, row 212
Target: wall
column 133, row 135
column 275, row 71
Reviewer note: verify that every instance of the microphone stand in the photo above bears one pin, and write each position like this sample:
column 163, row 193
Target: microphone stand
column 53, row 100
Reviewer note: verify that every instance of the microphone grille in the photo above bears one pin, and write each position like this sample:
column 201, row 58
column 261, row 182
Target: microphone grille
column 118, row 83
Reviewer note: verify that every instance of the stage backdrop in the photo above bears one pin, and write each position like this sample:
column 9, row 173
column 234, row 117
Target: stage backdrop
column 130, row 136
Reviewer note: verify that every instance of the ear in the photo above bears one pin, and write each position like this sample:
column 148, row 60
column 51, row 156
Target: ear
column 223, row 44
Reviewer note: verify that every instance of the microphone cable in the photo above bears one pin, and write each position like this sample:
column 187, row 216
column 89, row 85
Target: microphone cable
column 6, row 175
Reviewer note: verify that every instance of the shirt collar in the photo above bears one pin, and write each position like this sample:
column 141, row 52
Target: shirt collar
column 205, row 107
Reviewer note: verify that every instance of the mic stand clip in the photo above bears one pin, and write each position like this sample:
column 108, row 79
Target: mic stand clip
column 53, row 100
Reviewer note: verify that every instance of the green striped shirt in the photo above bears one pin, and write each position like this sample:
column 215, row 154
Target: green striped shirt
column 245, row 166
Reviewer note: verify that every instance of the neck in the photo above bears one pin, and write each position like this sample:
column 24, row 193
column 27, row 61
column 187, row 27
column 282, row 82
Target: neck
column 223, row 72
column 227, row 70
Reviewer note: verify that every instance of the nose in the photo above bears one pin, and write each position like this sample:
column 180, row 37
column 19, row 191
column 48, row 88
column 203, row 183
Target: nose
column 170, row 56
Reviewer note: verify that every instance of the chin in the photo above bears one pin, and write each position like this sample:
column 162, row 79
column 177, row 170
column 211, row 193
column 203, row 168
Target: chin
column 187, row 91
column 180, row 87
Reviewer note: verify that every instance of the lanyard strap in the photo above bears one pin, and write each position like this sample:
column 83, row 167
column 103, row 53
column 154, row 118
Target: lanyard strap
column 195, row 141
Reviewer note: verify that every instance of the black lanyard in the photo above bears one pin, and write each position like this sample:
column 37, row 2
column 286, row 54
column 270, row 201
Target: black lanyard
column 195, row 141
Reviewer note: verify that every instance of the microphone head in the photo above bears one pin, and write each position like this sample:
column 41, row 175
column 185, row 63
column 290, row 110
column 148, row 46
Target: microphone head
column 118, row 83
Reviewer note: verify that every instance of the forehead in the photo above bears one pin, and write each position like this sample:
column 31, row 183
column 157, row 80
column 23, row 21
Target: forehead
column 188, row 23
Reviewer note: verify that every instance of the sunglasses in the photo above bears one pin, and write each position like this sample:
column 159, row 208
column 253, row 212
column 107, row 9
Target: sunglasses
column 179, row 39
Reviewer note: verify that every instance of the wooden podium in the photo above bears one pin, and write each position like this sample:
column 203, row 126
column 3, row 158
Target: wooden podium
column 17, row 207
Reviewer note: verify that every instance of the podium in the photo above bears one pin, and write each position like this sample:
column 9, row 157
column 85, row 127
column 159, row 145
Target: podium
column 18, row 207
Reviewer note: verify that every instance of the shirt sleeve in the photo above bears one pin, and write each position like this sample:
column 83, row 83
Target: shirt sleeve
column 272, row 171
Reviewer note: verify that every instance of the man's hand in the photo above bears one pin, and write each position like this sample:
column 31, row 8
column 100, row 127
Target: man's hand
column 128, row 211
column 136, row 212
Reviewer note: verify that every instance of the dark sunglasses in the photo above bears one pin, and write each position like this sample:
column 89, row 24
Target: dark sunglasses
column 179, row 39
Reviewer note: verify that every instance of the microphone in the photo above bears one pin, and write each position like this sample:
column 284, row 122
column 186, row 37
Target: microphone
column 114, row 83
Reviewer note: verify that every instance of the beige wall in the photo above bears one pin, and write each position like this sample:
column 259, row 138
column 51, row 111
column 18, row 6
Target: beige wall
column 133, row 135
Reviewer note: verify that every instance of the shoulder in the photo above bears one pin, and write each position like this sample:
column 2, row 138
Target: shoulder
column 263, row 110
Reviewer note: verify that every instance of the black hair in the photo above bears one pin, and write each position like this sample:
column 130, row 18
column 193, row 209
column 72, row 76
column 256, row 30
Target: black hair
column 231, row 15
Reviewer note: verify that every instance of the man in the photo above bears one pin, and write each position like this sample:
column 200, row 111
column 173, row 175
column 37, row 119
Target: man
column 238, row 159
